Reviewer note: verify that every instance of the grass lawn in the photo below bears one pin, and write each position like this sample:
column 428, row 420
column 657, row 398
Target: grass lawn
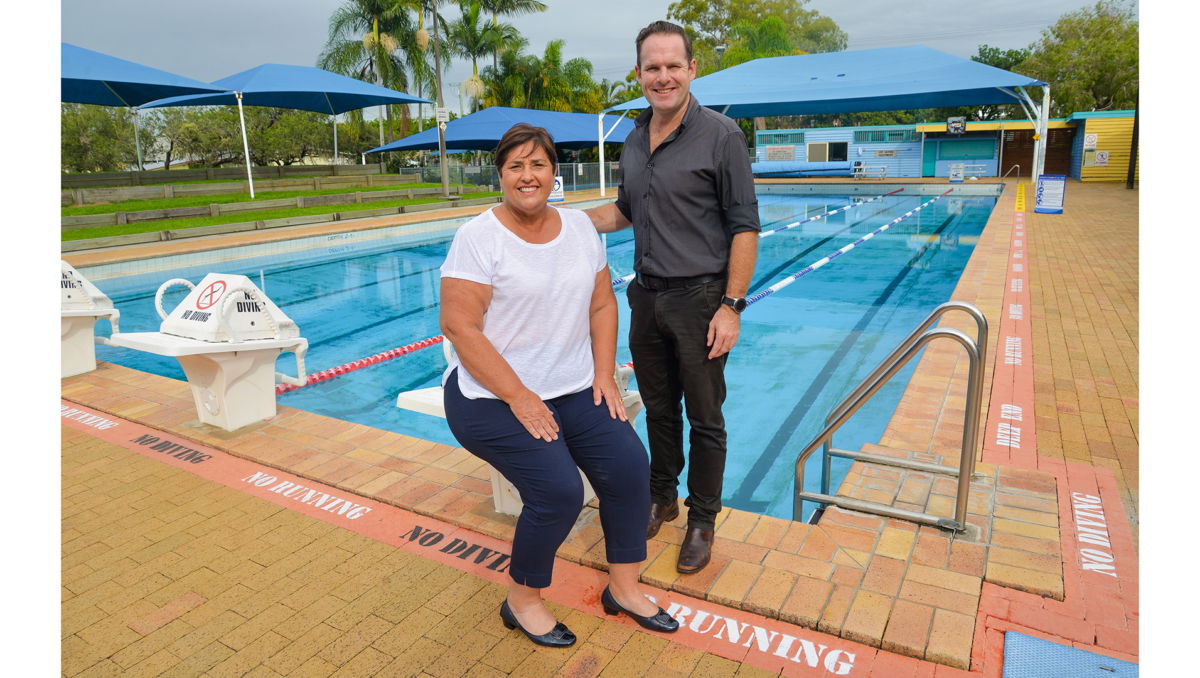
column 171, row 224
column 201, row 200
column 243, row 178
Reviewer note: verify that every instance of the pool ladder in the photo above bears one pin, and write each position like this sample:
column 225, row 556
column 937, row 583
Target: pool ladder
column 899, row 357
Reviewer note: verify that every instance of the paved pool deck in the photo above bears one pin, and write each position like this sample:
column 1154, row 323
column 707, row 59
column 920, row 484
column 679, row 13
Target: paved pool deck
column 192, row 551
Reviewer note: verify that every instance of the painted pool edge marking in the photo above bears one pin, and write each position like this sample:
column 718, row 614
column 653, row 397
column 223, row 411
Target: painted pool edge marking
column 769, row 644
column 1099, row 559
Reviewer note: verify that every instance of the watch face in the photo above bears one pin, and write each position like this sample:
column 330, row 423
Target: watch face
column 738, row 304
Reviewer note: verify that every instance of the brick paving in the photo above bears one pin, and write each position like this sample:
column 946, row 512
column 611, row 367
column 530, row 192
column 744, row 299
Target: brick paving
column 909, row 590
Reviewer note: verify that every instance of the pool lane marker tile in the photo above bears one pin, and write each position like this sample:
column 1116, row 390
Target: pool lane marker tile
column 768, row 644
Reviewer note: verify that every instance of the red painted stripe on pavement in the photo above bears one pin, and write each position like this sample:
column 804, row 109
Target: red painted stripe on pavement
column 741, row 636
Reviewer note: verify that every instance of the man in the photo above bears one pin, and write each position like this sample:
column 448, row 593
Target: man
column 689, row 195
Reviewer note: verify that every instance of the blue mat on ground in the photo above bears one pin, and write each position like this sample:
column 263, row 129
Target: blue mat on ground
column 800, row 168
column 1029, row 657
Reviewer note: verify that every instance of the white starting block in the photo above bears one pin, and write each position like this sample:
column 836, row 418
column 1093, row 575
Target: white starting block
column 504, row 495
column 82, row 305
column 226, row 334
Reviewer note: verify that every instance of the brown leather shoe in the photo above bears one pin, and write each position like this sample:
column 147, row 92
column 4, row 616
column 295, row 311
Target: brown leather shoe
column 659, row 514
column 696, row 550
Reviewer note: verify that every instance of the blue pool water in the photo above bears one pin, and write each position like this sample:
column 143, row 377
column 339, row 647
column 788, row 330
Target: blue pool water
column 802, row 348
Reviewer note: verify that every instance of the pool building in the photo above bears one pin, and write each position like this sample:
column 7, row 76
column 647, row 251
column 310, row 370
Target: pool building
column 1089, row 146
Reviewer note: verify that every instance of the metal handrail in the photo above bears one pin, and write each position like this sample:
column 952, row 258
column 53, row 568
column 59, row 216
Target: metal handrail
column 981, row 340
column 1016, row 167
column 967, row 460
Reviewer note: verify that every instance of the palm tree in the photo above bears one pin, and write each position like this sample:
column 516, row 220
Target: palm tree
column 469, row 38
column 376, row 41
column 507, row 84
column 509, row 8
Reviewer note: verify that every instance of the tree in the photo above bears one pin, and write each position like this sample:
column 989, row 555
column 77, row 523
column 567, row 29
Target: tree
column 376, row 41
column 1090, row 59
column 100, row 138
column 509, row 8
column 546, row 83
column 472, row 39
column 768, row 38
column 712, row 22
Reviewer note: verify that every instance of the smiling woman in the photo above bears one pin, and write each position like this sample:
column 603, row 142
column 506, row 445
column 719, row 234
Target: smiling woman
column 527, row 302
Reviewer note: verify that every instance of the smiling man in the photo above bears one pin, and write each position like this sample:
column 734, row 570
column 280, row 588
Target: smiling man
column 689, row 195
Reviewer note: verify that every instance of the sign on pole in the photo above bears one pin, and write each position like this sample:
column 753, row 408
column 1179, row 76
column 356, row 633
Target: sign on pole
column 1051, row 193
column 556, row 193
column 443, row 114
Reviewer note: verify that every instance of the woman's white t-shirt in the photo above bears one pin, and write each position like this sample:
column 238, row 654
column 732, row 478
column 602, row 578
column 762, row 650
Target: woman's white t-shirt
column 538, row 319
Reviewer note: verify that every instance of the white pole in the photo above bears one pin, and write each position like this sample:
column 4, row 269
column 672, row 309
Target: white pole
column 600, row 143
column 245, row 144
column 335, row 153
column 1044, row 127
column 137, row 139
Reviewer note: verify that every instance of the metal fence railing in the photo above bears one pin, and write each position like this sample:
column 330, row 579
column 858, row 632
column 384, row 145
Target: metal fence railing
column 577, row 176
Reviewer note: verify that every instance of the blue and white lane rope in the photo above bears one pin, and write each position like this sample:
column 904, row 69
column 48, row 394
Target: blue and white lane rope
column 622, row 280
column 826, row 214
column 839, row 252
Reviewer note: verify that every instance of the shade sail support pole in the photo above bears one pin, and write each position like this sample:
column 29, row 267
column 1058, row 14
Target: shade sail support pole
column 1044, row 127
column 335, row 148
column 137, row 139
column 600, row 148
column 603, row 137
column 245, row 144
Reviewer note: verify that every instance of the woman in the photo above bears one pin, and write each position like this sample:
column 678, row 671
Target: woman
column 527, row 302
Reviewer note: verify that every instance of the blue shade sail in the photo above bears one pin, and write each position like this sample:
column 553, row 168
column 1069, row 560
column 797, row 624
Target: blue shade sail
column 298, row 87
column 888, row 79
column 90, row 77
column 482, row 130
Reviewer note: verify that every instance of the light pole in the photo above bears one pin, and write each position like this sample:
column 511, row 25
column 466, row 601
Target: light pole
column 720, row 50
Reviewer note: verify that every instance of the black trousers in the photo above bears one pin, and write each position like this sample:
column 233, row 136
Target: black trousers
column 668, row 336
column 547, row 475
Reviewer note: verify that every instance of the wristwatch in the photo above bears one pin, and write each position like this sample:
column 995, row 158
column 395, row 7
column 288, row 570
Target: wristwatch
column 738, row 304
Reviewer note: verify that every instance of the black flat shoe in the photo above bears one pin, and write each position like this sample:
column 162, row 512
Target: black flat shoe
column 659, row 622
column 559, row 636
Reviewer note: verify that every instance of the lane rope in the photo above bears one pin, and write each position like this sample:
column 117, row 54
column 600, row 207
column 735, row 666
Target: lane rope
column 839, row 252
column 624, row 279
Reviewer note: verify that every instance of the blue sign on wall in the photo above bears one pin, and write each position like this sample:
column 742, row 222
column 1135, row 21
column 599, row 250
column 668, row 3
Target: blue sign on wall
column 1051, row 193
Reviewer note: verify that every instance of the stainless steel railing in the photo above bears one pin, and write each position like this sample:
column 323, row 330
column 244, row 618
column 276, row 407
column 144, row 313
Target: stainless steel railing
column 916, row 340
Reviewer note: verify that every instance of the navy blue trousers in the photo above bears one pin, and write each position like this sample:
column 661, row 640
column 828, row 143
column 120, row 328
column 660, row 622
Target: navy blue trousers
column 607, row 450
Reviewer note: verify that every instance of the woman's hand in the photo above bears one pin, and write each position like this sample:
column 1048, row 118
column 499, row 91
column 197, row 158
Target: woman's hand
column 533, row 414
column 605, row 388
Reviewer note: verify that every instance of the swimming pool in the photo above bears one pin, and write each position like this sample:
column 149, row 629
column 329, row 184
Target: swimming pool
column 802, row 348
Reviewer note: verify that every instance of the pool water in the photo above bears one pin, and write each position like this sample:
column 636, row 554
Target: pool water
column 801, row 349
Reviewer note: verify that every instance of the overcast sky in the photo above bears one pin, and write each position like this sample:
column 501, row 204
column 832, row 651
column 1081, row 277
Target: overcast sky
column 211, row 39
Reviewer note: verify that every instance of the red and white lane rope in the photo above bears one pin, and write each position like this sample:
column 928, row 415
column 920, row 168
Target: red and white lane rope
column 359, row 364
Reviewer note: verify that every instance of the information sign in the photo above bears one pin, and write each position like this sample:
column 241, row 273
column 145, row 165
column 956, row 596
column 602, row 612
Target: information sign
column 556, row 193
column 443, row 114
column 1051, row 193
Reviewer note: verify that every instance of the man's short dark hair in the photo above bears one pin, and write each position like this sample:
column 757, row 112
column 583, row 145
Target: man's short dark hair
column 520, row 134
column 666, row 28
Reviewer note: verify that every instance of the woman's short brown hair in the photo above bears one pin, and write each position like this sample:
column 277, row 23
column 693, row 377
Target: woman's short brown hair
column 520, row 134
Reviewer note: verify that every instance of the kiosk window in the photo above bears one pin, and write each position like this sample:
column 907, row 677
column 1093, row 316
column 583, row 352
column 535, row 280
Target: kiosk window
column 832, row 151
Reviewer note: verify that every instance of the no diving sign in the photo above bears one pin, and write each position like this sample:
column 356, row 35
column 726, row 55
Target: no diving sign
column 210, row 295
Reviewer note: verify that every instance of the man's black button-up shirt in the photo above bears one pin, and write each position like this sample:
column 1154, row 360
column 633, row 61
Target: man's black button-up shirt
column 688, row 198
